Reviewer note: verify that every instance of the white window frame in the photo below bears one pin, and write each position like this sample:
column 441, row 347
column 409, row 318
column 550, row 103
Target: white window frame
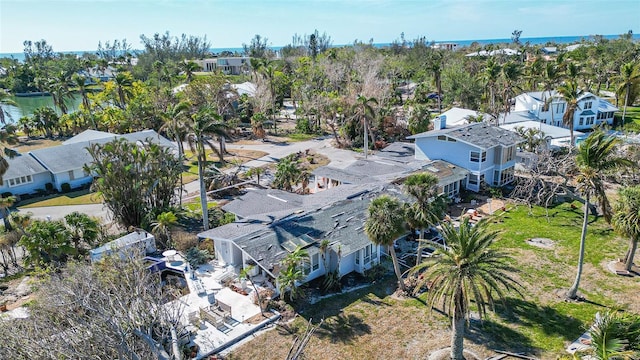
column 481, row 156
column 475, row 182
column 20, row 180
column 315, row 262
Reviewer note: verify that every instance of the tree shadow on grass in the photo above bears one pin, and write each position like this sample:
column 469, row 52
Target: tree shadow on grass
column 497, row 336
column 343, row 328
column 549, row 320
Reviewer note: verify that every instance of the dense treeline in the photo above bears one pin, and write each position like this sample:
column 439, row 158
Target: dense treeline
column 323, row 82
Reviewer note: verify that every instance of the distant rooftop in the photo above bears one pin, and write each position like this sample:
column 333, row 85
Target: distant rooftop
column 482, row 135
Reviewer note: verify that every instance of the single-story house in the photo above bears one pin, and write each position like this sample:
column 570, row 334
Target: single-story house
column 553, row 135
column 136, row 241
column 64, row 163
column 341, row 222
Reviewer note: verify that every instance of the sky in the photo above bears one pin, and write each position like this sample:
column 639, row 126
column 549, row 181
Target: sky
column 76, row 25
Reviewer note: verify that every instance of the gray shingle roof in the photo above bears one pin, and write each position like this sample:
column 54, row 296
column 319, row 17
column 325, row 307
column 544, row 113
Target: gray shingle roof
column 22, row 165
column 341, row 223
column 73, row 156
column 263, row 201
column 482, row 135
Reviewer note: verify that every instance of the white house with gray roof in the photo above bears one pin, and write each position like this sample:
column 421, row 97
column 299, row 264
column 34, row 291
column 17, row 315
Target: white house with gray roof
column 549, row 108
column 340, row 221
column 487, row 152
column 64, row 163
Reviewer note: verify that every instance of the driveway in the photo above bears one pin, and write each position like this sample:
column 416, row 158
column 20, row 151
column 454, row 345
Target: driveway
column 58, row 212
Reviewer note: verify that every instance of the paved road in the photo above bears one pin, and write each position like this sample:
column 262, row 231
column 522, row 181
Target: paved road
column 59, row 212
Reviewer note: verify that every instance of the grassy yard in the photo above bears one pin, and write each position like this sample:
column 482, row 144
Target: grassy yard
column 234, row 156
column 632, row 118
column 82, row 197
column 372, row 324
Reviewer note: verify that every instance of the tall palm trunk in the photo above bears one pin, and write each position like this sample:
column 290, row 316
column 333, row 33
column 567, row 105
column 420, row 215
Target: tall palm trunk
column 419, row 251
column 457, row 329
column 573, row 291
column 396, row 267
column 202, row 159
column 626, row 100
column 633, row 246
column 181, row 157
column 366, row 139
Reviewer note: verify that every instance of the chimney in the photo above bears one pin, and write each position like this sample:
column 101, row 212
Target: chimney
column 440, row 122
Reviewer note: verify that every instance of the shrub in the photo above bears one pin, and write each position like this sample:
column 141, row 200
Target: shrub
column 66, row 187
column 208, row 245
column 48, row 187
column 183, row 241
column 304, row 126
column 6, row 194
column 196, row 257
column 376, row 272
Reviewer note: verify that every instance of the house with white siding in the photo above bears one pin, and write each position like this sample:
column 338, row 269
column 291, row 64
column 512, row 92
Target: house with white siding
column 57, row 165
column 549, row 108
column 487, row 152
column 338, row 218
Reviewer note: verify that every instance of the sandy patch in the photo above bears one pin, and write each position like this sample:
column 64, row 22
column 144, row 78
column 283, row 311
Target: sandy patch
column 543, row 243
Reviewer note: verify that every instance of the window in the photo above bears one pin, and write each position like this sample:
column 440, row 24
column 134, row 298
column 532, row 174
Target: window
column 311, row 265
column 587, row 105
column 496, row 178
column 560, row 108
column 442, row 138
column 71, row 175
column 358, row 257
column 451, row 189
column 20, row 180
column 581, row 121
column 510, row 153
column 368, row 251
column 478, row 156
column 506, row 176
column 473, row 179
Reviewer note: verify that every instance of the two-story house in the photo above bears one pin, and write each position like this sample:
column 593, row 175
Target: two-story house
column 487, row 152
column 227, row 65
column 549, row 107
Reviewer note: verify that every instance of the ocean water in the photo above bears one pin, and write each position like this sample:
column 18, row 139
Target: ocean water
column 532, row 41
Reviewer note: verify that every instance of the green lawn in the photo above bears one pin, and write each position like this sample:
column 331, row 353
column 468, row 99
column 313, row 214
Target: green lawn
column 632, row 118
column 82, row 197
column 541, row 322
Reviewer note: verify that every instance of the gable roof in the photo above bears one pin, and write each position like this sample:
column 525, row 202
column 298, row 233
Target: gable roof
column 481, row 135
column 75, row 155
column 89, row 135
column 22, row 165
column 458, row 116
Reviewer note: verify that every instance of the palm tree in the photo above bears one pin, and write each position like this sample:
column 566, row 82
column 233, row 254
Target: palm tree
column 58, row 87
column 201, row 125
column 629, row 77
column 490, row 76
column 384, row 224
column 5, row 204
column 467, row 269
column 7, row 137
column 511, row 72
column 162, row 226
column 292, row 272
column 124, row 85
column 246, row 273
column 364, row 108
column 82, row 228
column 615, row 336
column 174, row 126
column 5, row 100
column 255, row 171
column 269, row 71
column 533, row 138
column 287, row 173
column 594, row 158
column 571, row 94
column 428, row 208
column 189, row 68
column 626, row 220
